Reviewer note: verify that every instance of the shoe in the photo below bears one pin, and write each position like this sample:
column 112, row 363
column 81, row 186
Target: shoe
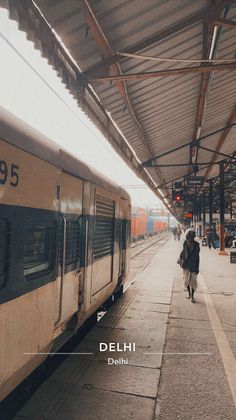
column 193, row 300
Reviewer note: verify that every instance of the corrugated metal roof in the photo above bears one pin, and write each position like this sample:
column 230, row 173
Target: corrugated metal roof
column 154, row 114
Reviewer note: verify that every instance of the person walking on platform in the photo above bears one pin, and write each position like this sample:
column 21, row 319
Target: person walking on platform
column 189, row 261
column 179, row 231
column 210, row 235
column 175, row 233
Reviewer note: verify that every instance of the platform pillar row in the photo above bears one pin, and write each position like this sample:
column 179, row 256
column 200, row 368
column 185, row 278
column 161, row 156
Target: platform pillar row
column 222, row 210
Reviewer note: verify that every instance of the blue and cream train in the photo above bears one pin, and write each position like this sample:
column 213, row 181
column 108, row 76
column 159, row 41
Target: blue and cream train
column 64, row 246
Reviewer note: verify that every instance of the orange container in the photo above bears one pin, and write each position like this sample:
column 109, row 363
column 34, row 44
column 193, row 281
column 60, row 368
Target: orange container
column 138, row 222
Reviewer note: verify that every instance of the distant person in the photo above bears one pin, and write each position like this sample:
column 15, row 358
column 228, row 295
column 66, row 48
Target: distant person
column 189, row 262
column 179, row 232
column 233, row 233
column 228, row 239
column 210, row 237
column 175, row 233
column 215, row 232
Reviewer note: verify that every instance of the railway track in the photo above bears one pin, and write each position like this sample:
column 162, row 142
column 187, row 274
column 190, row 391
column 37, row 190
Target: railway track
column 143, row 257
column 149, row 242
column 139, row 260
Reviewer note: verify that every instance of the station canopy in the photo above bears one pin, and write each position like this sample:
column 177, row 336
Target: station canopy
column 157, row 77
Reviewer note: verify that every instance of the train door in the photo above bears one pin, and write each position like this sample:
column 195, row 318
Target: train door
column 122, row 247
column 124, row 241
column 71, row 197
column 103, row 243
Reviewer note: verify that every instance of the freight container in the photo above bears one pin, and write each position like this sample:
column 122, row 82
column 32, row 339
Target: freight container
column 138, row 223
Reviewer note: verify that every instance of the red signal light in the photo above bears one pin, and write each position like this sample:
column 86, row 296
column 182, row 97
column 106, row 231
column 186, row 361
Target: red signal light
column 177, row 196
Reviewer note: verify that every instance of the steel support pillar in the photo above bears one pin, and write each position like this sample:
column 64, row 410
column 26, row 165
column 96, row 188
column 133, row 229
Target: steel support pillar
column 222, row 211
column 203, row 212
column 210, row 202
column 195, row 214
column 231, row 210
column 200, row 217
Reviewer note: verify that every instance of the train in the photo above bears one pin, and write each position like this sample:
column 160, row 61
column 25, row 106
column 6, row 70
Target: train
column 147, row 222
column 65, row 247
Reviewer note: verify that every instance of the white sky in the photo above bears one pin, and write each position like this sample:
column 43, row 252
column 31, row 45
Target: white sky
column 27, row 96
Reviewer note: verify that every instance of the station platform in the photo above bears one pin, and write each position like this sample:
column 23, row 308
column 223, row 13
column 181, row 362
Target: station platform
column 183, row 366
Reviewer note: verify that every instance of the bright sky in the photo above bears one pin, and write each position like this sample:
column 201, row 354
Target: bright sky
column 43, row 102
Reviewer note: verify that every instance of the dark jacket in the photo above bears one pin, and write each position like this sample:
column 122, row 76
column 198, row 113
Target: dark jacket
column 190, row 257
column 210, row 233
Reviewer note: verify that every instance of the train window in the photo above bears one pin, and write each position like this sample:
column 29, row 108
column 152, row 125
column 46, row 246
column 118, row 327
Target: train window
column 104, row 227
column 4, row 251
column 72, row 244
column 40, row 249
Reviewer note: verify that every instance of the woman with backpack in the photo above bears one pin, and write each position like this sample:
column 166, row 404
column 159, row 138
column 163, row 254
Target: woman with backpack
column 189, row 261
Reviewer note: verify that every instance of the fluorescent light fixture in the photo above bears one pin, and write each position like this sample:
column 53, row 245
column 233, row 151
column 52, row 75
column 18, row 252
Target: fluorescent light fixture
column 213, row 43
column 199, row 132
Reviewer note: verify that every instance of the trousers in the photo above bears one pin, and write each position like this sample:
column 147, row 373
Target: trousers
column 190, row 279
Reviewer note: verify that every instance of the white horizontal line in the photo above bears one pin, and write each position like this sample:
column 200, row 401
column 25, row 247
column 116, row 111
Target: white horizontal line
column 192, row 354
column 59, row 353
column 149, row 353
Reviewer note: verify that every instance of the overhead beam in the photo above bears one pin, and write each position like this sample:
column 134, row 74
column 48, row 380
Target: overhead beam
column 229, row 126
column 167, row 165
column 218, row 153
column 164, row 73
column 204, row 14
column 225, row 22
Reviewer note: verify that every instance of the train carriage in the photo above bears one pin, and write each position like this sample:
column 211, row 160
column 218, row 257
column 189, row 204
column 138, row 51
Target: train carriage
column 65, row 238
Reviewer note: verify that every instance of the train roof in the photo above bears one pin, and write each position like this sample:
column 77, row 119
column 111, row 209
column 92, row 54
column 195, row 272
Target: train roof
column 15, row 131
